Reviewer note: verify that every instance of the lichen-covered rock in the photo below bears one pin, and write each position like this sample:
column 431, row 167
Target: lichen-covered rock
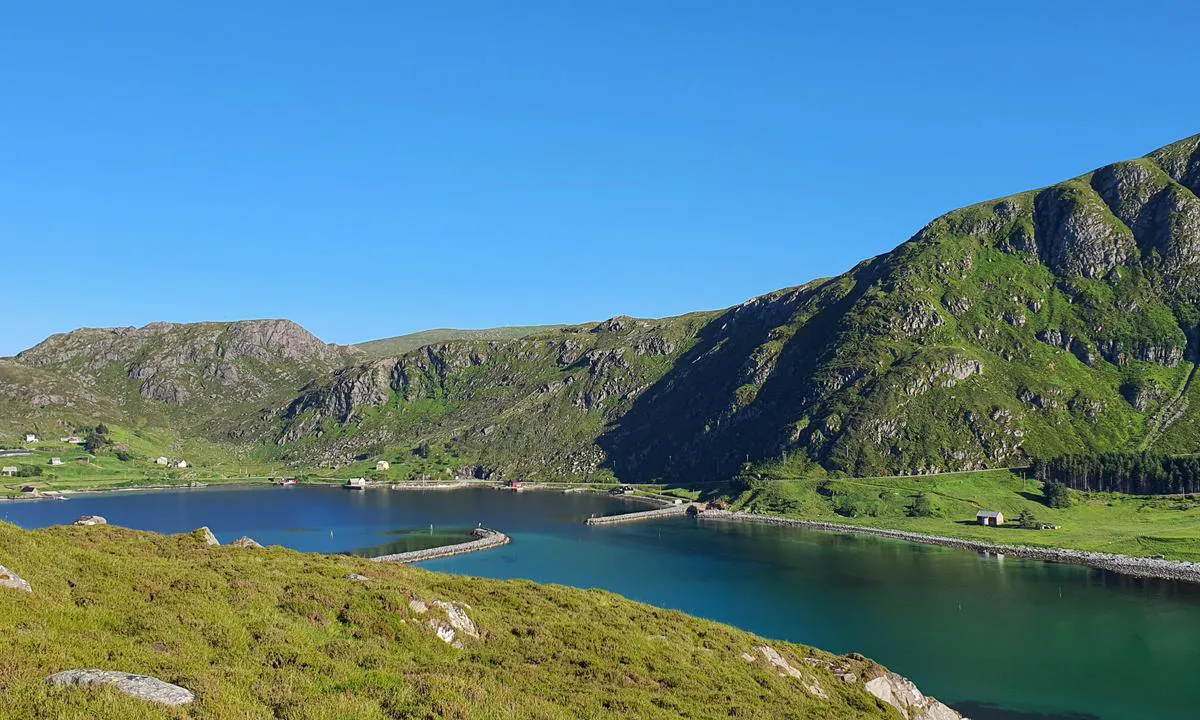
column 207, row 536
column 900, row 692
column 777, row 661
column 142, row 687
column 10, row 579
column 456, row 614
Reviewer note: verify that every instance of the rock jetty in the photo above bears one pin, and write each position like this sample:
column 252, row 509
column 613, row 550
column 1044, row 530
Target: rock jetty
column 484, row 540
column 656, row 514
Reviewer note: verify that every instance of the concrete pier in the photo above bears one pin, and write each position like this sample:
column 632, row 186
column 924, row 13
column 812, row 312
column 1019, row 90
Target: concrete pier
column 656, row 514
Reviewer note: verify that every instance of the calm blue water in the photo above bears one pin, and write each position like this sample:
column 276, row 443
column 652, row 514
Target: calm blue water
column 1002, row 640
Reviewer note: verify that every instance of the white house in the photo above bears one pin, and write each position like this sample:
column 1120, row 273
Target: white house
column 31, row 438
column 162, row 460
column 383, row 465
column 74, row 439
column 356, row 484
column 56, row 461
column 993, row 518
column 9, row 470
column 181, row 463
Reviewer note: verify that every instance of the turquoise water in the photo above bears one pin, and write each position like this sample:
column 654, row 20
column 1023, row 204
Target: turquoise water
column 1004, row 639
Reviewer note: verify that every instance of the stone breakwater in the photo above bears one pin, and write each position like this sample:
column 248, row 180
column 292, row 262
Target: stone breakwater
column 1126, row 564
column 484, row 539
column 662, row 512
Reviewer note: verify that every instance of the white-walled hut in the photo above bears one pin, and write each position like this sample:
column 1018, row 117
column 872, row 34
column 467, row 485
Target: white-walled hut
column 993, row 518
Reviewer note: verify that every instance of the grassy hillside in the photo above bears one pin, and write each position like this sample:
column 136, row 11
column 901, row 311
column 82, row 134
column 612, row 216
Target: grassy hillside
column 1051, row 321
column 400, row 344
column 1042, row 323
column 276, row 633
column 1100, row 522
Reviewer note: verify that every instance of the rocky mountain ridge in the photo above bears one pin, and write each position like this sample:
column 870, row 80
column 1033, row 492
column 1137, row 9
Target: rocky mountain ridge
column 1049, row 321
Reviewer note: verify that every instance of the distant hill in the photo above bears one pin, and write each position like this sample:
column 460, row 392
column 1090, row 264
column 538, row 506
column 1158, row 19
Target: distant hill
column 400, row 344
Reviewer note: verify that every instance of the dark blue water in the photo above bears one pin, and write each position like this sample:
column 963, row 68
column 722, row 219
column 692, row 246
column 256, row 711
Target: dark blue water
column 1003, row 640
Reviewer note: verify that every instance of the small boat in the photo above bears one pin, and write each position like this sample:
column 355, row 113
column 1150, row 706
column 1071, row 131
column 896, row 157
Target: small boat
column 288, row 481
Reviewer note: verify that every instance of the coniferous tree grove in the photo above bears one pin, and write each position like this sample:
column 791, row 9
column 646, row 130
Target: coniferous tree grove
column 1133, row 473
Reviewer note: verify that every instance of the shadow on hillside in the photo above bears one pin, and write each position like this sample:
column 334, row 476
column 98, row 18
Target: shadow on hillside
column 689, row 430
column 1038, row 498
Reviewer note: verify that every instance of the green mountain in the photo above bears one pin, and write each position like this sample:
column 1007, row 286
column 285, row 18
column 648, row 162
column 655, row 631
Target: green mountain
column 215, row 381
column 401, row 344
column 1050, row 321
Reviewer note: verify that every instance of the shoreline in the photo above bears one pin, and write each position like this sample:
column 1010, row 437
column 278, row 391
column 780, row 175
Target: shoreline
column 1176, row 570
column 1131, row 565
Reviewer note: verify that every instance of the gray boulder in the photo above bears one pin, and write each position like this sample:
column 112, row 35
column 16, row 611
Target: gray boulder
column 900, row 692
column 139, row 686
column 245, row 542
column 10, row 579
column 209, row 538
column 91, row 520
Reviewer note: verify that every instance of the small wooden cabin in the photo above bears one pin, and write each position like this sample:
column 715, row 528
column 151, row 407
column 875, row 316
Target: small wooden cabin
column 993, row 518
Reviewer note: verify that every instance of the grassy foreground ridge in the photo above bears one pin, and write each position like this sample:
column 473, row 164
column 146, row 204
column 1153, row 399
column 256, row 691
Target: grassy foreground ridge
column 273, row 633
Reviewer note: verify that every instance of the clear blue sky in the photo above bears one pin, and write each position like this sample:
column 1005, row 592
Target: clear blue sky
column 373, row 168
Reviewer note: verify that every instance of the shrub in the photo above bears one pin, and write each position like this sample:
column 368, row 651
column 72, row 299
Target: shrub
column 1056, row 493
column 920, row 506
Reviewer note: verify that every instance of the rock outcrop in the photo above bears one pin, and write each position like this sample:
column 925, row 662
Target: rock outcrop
column 10, row 579
column 902, row 694
column 245, row 542
column 456, row 614
column 777, row 661
column 142, row 687
column 89, row 520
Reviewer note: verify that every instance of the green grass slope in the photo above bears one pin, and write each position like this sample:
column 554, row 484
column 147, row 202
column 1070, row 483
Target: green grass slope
column 272, row 633
column 1099, row 522
column 400, row 344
